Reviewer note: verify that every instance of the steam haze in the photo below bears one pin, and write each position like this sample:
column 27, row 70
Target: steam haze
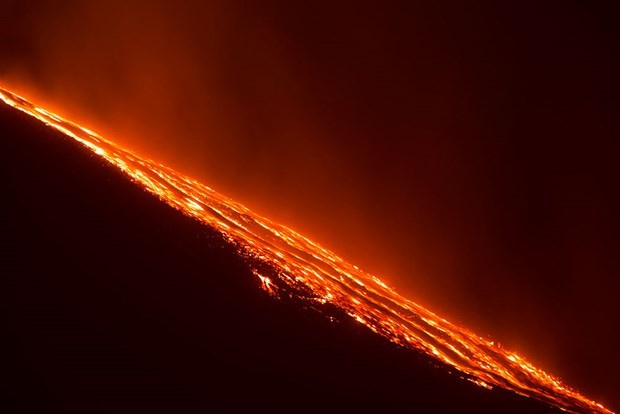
column 465, row 155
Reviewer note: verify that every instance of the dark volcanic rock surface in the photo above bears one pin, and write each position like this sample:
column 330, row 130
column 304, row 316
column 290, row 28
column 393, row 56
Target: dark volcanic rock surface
column 113, row 302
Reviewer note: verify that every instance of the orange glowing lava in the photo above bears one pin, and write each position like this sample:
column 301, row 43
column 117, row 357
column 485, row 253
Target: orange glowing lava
column 312, row 273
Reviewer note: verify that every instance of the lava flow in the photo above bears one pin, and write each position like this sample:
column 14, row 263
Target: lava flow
column 305, row 270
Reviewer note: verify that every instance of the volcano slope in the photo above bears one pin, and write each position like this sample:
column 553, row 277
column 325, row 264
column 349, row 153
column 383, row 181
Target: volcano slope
column 115, row 302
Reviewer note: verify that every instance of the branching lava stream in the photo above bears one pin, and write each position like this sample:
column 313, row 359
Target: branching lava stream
column 314, row 274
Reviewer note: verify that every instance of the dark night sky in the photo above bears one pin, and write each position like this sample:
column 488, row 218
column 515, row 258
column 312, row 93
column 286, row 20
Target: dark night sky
column 466, row 153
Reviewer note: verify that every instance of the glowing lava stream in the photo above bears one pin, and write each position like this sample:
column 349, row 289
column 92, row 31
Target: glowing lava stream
column 314, row 274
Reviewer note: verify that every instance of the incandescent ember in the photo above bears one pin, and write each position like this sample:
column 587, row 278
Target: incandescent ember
column 314, row 274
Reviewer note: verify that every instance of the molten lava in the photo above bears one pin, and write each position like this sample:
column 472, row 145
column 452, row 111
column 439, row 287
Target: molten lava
column 310, row 272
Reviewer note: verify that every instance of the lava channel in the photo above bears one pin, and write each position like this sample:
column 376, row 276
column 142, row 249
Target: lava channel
column 312, row 273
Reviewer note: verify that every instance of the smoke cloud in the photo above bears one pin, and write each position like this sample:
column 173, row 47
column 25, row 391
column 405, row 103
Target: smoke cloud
column 463, row 154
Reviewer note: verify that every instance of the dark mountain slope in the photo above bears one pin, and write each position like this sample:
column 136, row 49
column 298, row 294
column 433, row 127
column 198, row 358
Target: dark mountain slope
column 113, row 302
